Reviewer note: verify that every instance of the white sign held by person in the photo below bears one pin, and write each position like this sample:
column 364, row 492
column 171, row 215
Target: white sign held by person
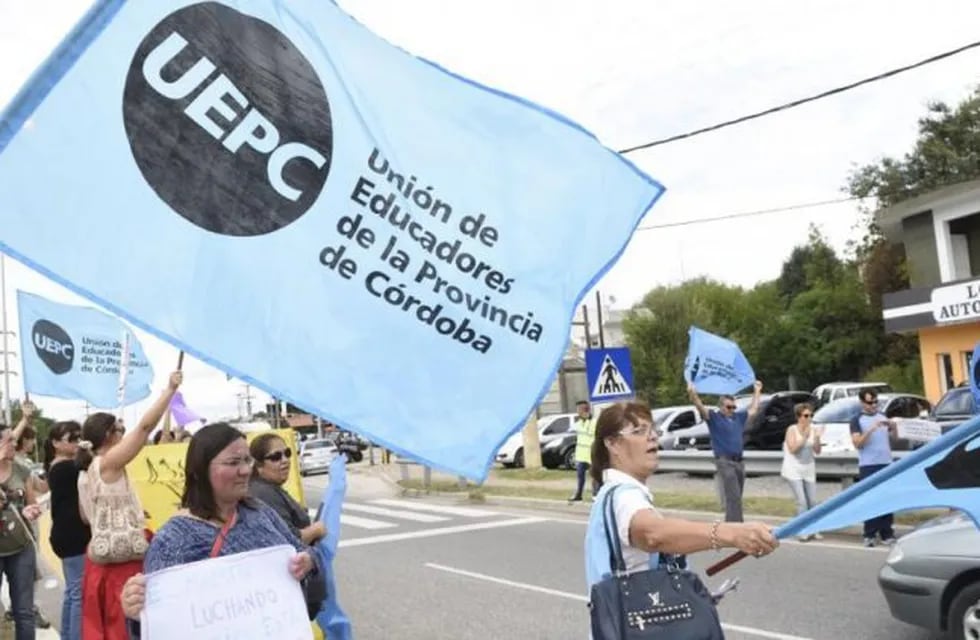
column 245, row 595
column 918, row 430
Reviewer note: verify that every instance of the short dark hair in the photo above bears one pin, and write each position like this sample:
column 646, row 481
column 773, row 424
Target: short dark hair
column 867, row 392
column 581, row 402
column 725, row 397
column 205, row 445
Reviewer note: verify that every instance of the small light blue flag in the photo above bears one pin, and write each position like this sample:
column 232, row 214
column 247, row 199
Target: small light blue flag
column 357, row 231
column 716, row 365
column 76, row 352
column 943, row 473
column 332, row 620
column 974, row 375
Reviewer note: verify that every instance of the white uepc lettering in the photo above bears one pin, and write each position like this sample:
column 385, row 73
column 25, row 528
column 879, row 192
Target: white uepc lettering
column 253, row 128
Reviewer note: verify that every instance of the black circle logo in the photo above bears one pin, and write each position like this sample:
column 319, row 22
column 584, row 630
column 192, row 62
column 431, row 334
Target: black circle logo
column 227, row 120
column 53, row 345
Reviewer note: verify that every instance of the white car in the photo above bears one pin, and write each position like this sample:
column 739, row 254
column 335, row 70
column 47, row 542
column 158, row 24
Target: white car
column 316, row 455
column 511, row 453
column 831, row 391
column 835, row 418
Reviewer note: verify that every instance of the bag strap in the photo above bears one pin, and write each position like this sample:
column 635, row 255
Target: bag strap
column 220, row 540
column 616, row 562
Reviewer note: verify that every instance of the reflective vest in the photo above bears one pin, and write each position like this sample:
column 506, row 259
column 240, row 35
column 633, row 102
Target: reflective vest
column 584, row 435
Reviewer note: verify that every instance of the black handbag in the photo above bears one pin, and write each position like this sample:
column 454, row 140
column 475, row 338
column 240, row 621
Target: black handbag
column 666, row 602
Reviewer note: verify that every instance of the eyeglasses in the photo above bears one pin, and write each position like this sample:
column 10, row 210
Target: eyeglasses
column 806, row 415
column 871, row 402
column 276, row 456
column 247, row 461
column 729, row 407
column 646, row 432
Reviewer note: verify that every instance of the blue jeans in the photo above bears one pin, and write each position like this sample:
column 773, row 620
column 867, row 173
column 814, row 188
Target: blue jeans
column 19, row 570
column 71, row 606
column 805, row 494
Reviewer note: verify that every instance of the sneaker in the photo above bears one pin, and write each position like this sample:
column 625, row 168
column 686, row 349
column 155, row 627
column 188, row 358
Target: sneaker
column 869, row 542
column 575, row 499
column 8, row 616
column 889, row 541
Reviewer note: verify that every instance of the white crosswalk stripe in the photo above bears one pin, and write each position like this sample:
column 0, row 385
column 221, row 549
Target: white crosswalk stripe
column 394, row 513
column 365, row 523
column 462, row 512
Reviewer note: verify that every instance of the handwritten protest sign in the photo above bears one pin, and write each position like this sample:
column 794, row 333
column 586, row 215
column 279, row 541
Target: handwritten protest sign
column 918, row 430
column 244, row 595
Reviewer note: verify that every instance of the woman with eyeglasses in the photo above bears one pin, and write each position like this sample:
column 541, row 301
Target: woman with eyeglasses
column 270, row 473
column 217, row 518
column 111, row 507
column 624, row 456
column 69, row 533
column 800, row 448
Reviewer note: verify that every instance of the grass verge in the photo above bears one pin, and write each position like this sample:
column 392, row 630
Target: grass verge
column 757, row 505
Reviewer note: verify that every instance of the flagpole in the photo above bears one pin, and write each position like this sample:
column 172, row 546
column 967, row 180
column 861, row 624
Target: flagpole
column 165, row 437
column 6, row 355
column 123, row 374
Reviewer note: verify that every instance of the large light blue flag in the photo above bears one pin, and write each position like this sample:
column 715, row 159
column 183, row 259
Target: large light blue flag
column 277, row 191
column 77, row 352
column 716, row 365
column 943, row 473
column 332, row 620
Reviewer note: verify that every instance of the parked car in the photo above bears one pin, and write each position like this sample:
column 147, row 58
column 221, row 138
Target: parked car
column 931, row 578
column 681, row 427
column 350, row 443
column 316, row 455
column 835, row 418
column 776, row 413
column 955, row 407
column 831, row 391
column 766, row 431
column 559, row 453
column 511, row 453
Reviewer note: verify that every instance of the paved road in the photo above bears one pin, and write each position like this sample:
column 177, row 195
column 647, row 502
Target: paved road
column 473, row 572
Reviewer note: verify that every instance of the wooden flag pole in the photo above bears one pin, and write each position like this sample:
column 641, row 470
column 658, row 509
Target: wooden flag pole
column 180, row 360
column 167, row 435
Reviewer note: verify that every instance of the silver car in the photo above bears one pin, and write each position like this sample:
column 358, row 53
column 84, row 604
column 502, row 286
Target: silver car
column 932, row 577
column 316, row 455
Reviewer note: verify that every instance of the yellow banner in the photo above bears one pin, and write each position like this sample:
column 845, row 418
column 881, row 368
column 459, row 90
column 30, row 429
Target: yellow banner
column 158, row 475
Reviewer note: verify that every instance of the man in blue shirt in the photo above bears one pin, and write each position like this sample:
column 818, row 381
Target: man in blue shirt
column 727, row 429
column 870, row 433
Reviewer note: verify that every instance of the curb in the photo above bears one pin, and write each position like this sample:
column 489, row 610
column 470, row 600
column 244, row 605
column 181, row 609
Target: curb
column 583, row 508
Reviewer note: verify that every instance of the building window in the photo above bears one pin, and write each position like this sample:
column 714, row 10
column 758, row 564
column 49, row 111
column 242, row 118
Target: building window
column 945, row 362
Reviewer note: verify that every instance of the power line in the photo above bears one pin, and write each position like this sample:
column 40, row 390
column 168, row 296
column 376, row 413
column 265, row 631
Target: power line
column 801, row 101
column 745, row 214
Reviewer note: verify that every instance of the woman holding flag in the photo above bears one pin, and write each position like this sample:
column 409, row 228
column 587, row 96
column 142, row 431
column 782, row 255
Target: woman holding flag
column 110, row 505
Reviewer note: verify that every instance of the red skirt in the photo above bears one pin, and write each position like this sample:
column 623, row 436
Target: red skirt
column 102, row 585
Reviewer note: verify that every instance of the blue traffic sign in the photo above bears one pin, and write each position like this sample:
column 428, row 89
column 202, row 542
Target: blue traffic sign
column 609, row 374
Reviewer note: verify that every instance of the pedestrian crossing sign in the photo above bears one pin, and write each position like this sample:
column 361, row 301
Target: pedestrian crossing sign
column 609, row 374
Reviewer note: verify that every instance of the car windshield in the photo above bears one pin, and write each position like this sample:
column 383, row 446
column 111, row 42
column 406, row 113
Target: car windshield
column 660, row 415
column 317, row 444
column 838, row 411
column 956, row 402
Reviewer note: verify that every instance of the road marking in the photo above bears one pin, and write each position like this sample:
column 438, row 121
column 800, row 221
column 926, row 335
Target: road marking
column 365, row 523
column 463, row 512
column 394, row 513
column 581, row 598
column 442, row 531
column 836, row 545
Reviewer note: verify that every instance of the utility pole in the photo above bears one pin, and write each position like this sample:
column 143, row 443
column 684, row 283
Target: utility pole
column 247, row 397
column 598, row 308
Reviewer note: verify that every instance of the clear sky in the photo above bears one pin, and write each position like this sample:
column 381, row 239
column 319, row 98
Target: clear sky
column 633, row 71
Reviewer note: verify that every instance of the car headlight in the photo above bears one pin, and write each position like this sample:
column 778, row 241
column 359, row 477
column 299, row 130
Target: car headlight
column 895, row 555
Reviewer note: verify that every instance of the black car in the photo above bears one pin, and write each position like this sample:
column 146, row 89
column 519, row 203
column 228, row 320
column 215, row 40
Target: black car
column 954, row 408
column 767, row 430
column 559, row 453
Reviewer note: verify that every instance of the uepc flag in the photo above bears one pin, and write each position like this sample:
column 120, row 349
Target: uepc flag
column 76, row 352
column 279, row 192
column 716, row 365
